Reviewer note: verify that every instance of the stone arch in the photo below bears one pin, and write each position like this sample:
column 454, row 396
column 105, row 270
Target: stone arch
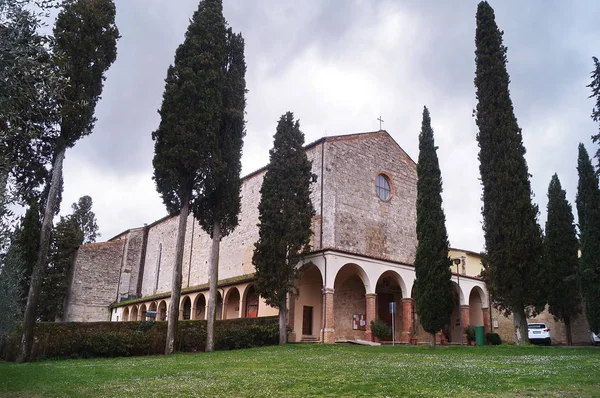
column 308, row 305
column 142, row 312
column 219, row 306
column 482, row 295
column 199, row 309
column 350, row 287
column 125, row 316
column 476, row 307
column 152, row 307
column 390, row 288
column 250, row 302
column 161, row 313
column 134, row 313
column 186, row 308
column 232, row 304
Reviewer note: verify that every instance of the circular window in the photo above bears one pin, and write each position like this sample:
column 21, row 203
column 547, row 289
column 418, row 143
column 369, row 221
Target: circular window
column 382, row 187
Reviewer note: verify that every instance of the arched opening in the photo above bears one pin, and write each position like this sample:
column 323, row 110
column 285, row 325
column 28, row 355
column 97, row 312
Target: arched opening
column 308, row 307
column 232, row 304
column 200, row 307
column 349, row 303
column 134, row 313
column 186, row 308
column 475, row 307
column 125, row 316
column 251, row 303
column 143, row 312
column 219, row 312
column 161, row 314
column 389, row 291
column 151, row 313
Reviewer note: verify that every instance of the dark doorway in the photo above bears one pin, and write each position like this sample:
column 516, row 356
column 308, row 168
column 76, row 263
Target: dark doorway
column 307, row 320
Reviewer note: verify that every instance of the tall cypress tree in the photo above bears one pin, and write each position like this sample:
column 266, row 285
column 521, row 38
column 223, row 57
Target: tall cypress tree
column 285, row 216
column 561, row 274
column 217, row 209
column 595, row 86
column 434, row 297
column 199, row 141
column 513, row 238
column 85, row 46
column 588, row 211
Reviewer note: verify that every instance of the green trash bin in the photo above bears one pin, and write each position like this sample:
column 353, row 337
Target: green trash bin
column 479, row 335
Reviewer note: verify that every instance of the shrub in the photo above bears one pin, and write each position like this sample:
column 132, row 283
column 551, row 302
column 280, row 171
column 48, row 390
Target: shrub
column 380, row 329
column 114, row 339
column 470, row 332
column 493, row 339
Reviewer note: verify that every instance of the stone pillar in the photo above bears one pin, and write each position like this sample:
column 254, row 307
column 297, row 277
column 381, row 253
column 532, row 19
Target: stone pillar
column 241, row 308
column 206, row 311
column 291, row 317
column 329, row 326
column 407, row 320
column 371, row 300
column 486, row 320
column 466, row 320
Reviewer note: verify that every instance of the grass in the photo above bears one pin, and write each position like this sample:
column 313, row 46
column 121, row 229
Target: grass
column 317, row 370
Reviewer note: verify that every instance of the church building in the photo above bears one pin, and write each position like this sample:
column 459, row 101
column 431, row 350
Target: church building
column 362, row 259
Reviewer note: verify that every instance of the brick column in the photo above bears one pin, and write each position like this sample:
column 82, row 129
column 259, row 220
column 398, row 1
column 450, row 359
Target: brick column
column 486, row 320
column 407, row 320
column 329, row 327
column 371, row 300
column 466, row 320
column 291, row 316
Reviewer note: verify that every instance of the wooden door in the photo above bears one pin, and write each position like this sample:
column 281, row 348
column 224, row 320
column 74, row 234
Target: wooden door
column 307, row 320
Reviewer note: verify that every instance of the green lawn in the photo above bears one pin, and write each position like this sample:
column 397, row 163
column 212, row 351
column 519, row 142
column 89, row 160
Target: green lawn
column 317, row 370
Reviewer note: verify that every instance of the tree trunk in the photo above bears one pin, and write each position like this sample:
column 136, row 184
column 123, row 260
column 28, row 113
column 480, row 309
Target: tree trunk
column 42, row 260
column 283, row 315
column 568, row 329
column 520, row 323
column 213, row 275
column 432, row 344
column 173, row 316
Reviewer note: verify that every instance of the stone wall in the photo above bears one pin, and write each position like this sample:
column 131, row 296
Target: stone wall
column 96, row 274
column 362, row 222
column 130, row 269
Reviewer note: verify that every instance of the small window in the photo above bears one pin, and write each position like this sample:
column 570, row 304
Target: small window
column 382, row 186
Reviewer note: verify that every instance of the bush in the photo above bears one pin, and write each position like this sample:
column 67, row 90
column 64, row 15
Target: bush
column 493, row 339
column 380, row 329
column 470, row 332
column 116, row 339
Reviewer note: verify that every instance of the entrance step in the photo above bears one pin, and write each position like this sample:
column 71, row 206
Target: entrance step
column 309, row 339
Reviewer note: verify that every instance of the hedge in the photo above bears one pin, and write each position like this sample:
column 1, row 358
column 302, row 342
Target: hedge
column 116, row 339
column 493, row 339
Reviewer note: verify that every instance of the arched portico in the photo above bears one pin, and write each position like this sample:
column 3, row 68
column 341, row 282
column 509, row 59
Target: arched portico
column 250, row 302
column 349, row 306
column 125, row 316
column 308, row 306
column 232, row 304
column 454, row 329
column 185, row 308
column 199, row 309
column 143, row 312
column 389, row 289
column 161, row 314
column 134, row 313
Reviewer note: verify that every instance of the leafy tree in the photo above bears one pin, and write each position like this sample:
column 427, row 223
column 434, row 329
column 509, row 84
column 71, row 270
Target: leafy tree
column 85, row 46
column 595, row 86
column 434, row 297
column 199, row 140
column 513, row 238
column 11, row 289
column 588, row 211
column 66, row 238
column 285, row 216
column 85, row 219
column 28, row 87
column 561, row 272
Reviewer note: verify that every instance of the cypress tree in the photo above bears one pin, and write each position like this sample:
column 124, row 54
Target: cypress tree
column 434, row 298
column 285, row 215
column 588, row 211
column 199, row 140
column 561, row 274
column 513, row 238
column 85, row 46
column 595, row 86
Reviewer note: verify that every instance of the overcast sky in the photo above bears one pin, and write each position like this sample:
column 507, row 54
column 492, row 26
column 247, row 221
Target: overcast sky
column 339, row 65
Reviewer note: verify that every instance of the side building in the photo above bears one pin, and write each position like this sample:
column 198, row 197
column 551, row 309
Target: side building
column 363, row 251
